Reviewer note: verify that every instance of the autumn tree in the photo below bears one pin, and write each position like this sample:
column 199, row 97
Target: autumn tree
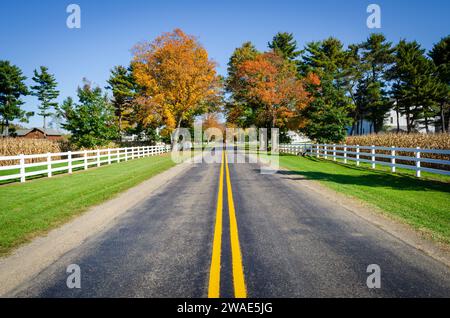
column 211, row 120
column 240, row 111
column 271, row 81
column 46, row 93
column 177, row 79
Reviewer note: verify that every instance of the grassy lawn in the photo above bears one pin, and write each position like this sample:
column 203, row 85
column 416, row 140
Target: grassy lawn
column 34, row 207
column 422, row 203
column 91, row 162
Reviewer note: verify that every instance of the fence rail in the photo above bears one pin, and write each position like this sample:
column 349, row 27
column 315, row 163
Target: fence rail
column 394, row 157
column 69, row 161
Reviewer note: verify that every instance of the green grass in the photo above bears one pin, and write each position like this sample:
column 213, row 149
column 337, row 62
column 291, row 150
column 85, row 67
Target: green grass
column 91, row 162
column 33, row 208
column 422, row 203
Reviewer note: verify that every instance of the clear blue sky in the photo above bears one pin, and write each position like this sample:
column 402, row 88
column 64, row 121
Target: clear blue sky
column 34, row 32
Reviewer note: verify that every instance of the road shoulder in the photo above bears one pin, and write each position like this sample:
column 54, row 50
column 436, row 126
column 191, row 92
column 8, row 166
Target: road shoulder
column 30, row 259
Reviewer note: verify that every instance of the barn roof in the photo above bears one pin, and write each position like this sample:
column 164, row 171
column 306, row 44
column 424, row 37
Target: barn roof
column 48, row 132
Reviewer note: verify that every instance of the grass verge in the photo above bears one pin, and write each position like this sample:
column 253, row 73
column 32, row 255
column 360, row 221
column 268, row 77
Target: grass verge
column 422, row 203
column 33, row 208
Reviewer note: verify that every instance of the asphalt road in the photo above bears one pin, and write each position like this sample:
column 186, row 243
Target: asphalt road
column 276, row 239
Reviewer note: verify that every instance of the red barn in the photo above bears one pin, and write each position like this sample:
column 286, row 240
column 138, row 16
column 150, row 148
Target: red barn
column 39, row 133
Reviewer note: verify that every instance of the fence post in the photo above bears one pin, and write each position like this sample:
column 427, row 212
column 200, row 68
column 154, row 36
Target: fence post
column 98, row 157
column 357, row 155
column 418, row 163
column 126, row 154
column 85, row 160
column 373, row 156
column 326, row 151
column 334, row 152
column 118, row 155
column 69, row 161
column 132, row 153
column 49, row 165
column 345, row 153
column 22, row 168
column 109, row 156
column 393, row 159
column 317, row 151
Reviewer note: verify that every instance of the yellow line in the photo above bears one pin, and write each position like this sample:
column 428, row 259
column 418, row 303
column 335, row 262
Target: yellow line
column 214, row 275
column 240, row 290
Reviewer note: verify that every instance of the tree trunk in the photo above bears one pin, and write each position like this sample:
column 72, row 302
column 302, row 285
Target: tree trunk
column 7, row 128
column 442, row 118
column 408, row 123
column 398, row 118
column 426, row 125
column 176, row 136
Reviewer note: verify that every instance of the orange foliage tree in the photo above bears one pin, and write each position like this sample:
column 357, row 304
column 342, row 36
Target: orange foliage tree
column 177, row 80
column 272, row 81
column 211, row 120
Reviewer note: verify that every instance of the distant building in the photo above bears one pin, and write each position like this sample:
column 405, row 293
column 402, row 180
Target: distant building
column 39, row 133
column 390, row 125
column 297, row 138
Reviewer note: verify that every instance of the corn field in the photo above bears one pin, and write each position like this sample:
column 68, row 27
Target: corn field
column 16, row 146
column 430, row 141
column 424, row 141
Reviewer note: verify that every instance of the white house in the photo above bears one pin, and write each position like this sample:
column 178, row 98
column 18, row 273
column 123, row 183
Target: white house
column 390, row 124
column 297, row 138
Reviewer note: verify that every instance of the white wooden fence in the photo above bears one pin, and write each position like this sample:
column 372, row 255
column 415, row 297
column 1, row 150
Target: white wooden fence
column 370, row 154
column 68, row 161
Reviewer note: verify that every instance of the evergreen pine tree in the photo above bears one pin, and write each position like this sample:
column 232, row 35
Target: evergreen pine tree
column 45, row 91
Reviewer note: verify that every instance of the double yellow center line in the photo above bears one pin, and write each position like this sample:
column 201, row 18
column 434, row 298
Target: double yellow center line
column 240, row 290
